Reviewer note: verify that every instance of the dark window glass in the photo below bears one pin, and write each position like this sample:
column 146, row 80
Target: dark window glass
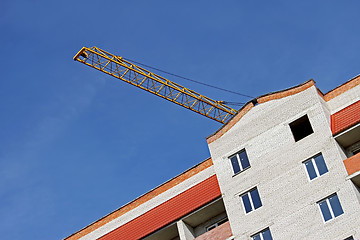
column 257, row 237
column 217, row 224
column 310, row 169
column 320, row 163
column 316, row 166
column 267, row 235
column 235, row 164
column 301, row 128
column 255, row 198
column 246, row 201
column 331, row 207
column 263, row 235
column 244, row 160
column 349, row 238
column 325, row 210
column 222, row 221
column 210, row 228
column 251, row 200
column 239, row 161
column 335, row 205
column 356, row 151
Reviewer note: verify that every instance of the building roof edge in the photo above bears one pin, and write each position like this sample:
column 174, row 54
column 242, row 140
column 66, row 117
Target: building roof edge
column 353, row 82
column 142, row 199
column 261, row 99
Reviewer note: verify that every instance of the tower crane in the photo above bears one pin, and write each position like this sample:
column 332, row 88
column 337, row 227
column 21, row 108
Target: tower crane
column 128, row 72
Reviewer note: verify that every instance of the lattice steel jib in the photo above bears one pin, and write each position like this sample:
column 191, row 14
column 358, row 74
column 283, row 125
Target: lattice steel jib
column 153, row 83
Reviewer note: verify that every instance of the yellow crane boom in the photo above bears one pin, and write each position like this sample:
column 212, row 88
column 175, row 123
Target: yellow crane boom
column 128, row 72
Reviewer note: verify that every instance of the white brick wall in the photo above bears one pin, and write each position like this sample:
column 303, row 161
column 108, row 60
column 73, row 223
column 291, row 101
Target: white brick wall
column 288, row 197
column 345, row 99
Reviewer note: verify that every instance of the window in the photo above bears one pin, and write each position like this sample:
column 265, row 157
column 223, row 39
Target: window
column 315, row 166
column 218, row 223
column 251, row 200
column 349, row 238
column 356, row 151
column 330, row 207
column 301, row 128
column 353, row 149
column 240, row 161
column 263, row 235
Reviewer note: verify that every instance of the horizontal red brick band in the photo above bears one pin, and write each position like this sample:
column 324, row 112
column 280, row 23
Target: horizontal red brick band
column 352, row 164
column 167, row 212
column 221, row 232
column 342, row 88
column 140, row 200
column 345, row 118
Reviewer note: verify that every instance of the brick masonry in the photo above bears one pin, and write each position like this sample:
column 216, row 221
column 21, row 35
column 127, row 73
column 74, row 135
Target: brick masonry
column 231, row 123
column 168, row 212
column 345, row 118
column 261, row 99
column 289, row 199
column 341, row 122
column 352, row 164
column 281, row 94
column 144, row 198
column 221, row 232
column 342, row 88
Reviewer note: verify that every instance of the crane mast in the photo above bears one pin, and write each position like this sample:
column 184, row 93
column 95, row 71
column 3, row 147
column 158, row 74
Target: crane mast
column 128, row 72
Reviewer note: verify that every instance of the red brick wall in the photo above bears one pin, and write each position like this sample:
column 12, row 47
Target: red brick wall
column 342, row 88
column 222, row 232
column 352, row 164
column 345, row 118
column 167, row 212
column 287, row 92
column 144, row 198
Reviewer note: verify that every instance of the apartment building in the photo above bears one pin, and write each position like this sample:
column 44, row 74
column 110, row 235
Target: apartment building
column 286, row 166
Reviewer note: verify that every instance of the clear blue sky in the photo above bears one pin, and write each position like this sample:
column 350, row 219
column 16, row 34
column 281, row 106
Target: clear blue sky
column 77, row 144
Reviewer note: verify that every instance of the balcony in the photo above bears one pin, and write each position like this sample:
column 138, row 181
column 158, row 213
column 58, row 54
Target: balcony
column 221, row 232
column 167, row 233
column 345, row 125
column 209, row 222
column 349, row 136
column 352, row 165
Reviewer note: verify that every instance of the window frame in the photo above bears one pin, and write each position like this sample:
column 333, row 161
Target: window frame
column 248, row 193
column 261, row 233
column 353, row 149
column 237, row 155
column 216, row 224
column 330, row 207
column 315, row 166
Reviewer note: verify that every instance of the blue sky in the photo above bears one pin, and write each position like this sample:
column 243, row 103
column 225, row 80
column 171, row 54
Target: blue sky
column 77, row 144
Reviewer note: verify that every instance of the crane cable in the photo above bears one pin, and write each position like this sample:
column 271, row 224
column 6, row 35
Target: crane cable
column 192, row 80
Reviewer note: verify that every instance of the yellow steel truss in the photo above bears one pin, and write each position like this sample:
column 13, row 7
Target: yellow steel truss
column 120, row 68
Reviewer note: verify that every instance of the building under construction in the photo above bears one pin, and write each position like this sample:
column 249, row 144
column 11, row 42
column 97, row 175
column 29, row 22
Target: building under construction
column 284, row 166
